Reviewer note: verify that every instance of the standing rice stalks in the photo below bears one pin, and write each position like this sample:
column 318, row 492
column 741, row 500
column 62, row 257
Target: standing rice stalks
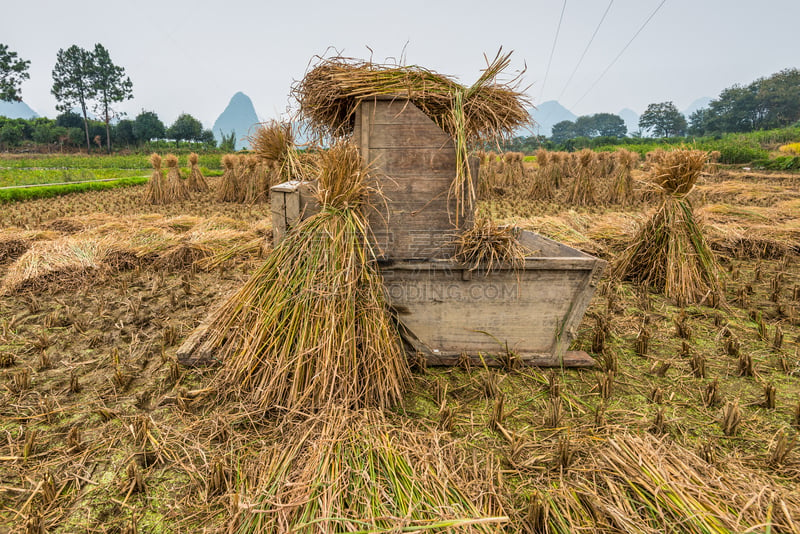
column 197, row 182
column 176, row 187
column 157, row 185
column 311, row 326
column 669, row 252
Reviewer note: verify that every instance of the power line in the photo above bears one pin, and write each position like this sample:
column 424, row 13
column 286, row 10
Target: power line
column 620, row 53
column 583, row 55
column 553, row 49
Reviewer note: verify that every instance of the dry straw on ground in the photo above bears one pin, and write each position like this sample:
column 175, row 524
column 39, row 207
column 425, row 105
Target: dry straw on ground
column 352, row 471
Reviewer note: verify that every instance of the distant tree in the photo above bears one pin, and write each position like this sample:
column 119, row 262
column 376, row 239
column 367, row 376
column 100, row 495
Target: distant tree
column 12, row 72
column 72, row 83
column 207, row 137
column 69, row 119
column 185, row 128
column 148, row 126
column 698, row 122
column 663, row 120
column 123, row 132
column 563, row 131
column 609, row 125
column 110, row 86
column 780, row 97
column 227, row 143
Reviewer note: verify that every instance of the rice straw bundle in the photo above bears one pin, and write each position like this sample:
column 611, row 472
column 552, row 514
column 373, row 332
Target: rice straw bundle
column 157, row 185
column 487, row 246
column 484, row 112
column 622, row 187
column 251, row 190
column 311, row 326
column 176, row 189
column 274, row 143
column 582, row 191
column 351, row 471
column 669, row 252
column 229, row 191
column 196, row 182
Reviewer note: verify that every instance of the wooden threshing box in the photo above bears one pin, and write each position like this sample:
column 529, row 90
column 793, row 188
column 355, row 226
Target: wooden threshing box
column 447, row 310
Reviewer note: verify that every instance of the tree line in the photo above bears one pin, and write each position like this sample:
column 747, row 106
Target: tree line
column 83, row 80
column 767, row 103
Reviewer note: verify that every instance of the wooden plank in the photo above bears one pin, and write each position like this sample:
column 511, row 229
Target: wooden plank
column 415, row 135
column 572, row 359
column 195, row 350
column 393, row 161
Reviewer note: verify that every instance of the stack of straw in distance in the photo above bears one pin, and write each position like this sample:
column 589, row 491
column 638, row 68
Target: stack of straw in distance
column 157, row 185
column 176, row 188
column 196, row 182
column 669, row 252
column 229, row 190
column 311, row 327
column 484, row 112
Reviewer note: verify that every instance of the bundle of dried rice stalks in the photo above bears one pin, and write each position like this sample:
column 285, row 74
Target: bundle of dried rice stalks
column 487, row 246
column 582, row 192
column 176, row 188
column 350, row 471
column 274, row 143
column 230, row 188
column 488, row 110
column 670, row 253
column 196, row 182
column 311, row 327
column 156, row 192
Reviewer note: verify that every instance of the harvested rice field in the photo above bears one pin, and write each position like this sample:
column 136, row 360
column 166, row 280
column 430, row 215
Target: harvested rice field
column 687, row 423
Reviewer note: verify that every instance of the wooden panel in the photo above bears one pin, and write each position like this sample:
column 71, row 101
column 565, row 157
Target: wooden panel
column 395, row 162
column 410, row 136
column 531, row 311
column 415, row 163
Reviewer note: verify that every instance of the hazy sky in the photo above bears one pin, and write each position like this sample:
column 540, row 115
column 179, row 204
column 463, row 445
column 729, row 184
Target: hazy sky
column 192, row 56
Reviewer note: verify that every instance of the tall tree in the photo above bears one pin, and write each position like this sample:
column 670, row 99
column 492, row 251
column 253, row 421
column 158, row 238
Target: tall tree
column 185, row 128
column 110, row 86
column 12, row 71
column 609, row 125
column 562, row 131
column 148, row 126
column 72, row 83
column 663, row 119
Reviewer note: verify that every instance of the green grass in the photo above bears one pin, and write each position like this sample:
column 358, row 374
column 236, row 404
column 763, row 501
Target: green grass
column 46, row 169
column 48, row 191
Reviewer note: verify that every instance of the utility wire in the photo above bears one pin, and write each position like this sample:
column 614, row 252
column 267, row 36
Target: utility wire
column 620, row 53
column 553, row 49
column 583, row 55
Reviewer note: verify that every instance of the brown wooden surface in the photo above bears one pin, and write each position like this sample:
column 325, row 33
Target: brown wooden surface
column 572, row 358
column 534, row 311
column 414, row 161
